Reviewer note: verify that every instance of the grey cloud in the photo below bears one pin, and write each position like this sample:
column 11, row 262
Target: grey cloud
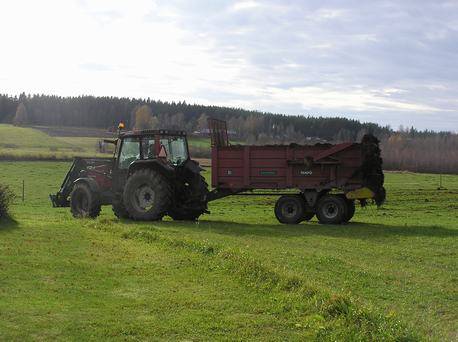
column 335, row 45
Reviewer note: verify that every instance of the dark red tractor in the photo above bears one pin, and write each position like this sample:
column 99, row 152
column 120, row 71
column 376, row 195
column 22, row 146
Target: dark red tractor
column 149, row 176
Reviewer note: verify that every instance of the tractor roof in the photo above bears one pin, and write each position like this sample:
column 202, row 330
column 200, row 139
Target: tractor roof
column 139, row 133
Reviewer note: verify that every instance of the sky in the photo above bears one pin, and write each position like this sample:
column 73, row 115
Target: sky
column 390, row 62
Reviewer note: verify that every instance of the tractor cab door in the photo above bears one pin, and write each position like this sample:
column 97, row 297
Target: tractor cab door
column 127, row 151
column 174, row 149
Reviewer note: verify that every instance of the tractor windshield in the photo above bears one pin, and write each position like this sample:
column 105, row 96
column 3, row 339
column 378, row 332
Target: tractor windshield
column 130, row 151
column 176, row 149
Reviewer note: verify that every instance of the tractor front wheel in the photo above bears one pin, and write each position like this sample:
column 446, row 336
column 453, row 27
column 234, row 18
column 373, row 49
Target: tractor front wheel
column 147, row 195
column 84, row 202
column 290, row 209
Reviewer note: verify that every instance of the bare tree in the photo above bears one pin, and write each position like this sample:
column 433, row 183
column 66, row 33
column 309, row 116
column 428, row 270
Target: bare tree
column 22, row 117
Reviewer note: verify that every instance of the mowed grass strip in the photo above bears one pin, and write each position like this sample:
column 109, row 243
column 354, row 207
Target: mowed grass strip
column 394, row 264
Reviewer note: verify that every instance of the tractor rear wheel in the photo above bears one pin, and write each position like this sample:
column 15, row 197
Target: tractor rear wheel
column 119, row 209
column 331, row 209
column 197, row 202
column 351, row 208
column 182, row 214
column 290, row 209
column 84, row 202
column 147, row 195
column 308, row 215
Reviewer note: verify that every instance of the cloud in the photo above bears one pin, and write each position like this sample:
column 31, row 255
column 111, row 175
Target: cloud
column 385, row 61
column 245, row 5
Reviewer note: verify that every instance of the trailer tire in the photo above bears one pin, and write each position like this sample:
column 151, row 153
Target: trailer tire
column 331, row 209
column 119, row 209
column 84, row 202
column 351, row 208
column 290, row 209
column 147, row 195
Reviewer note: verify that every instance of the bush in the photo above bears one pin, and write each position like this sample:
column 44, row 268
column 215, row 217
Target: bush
column 6, row 198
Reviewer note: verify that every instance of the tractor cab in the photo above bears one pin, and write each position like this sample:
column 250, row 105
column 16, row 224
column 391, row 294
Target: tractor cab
column 149, row 176
column 167, row 146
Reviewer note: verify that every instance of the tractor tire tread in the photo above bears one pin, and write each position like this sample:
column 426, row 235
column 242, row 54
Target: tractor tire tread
column 191, row 214
column 161, row 188
column 95, row 206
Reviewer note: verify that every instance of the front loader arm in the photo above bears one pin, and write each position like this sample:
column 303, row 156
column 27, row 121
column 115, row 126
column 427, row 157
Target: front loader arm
column 60, row 199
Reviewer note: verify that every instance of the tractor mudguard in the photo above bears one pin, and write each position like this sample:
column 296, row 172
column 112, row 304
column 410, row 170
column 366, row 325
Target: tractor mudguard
column 193, row 166
column 90, row 182
column 154, row 164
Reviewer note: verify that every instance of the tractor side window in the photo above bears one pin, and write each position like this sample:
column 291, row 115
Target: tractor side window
column 148, row 148
column 130, row 151
column 176, row 148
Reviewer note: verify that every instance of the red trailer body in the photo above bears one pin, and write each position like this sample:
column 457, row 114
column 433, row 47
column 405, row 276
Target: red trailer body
column 318, row 167
column 329, row 177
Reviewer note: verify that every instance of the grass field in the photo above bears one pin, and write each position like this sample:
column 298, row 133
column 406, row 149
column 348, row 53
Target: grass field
column 18, row 143
column 236, row 274
column 25, row 142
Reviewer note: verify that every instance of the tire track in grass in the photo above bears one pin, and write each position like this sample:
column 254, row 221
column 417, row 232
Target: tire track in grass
column 337, row 316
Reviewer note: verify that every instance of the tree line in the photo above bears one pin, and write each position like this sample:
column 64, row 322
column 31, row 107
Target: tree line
column 103, row 112
column 404, row 149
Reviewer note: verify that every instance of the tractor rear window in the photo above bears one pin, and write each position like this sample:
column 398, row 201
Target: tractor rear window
column 176, row 148
column 130, row 151
column 148, row 148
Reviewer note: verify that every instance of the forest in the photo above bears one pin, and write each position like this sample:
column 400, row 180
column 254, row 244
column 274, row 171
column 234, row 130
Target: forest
column 403, row 149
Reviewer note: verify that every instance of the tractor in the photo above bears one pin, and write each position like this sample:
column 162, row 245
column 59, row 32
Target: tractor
column 149, row 176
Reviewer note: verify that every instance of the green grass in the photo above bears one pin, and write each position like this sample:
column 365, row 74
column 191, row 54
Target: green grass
column 237, row 274
column 199, row 142
column 25, row 142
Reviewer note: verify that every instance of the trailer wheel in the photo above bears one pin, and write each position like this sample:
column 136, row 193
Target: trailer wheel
column 84, row 202
column 351, row 208
column 290, row 209
column 119, row 209
column 331, row 209
column 147, row 195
